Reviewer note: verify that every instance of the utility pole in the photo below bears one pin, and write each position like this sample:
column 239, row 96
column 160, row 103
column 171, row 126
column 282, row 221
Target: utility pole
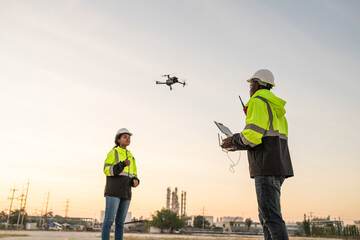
column 66, row 209
column 41, row 213
column 311, row 215
column 46, row 209
column 27, row 190
column 203, row 209
column 20, row 209
column 12, row 199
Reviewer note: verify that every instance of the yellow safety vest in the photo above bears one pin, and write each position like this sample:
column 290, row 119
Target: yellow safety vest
column 117, row 155
column 265, row 117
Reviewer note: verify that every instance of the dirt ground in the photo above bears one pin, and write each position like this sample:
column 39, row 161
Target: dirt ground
column 52, row 235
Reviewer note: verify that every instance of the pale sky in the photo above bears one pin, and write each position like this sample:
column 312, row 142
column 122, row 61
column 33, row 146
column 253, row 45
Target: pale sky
column 73, row 72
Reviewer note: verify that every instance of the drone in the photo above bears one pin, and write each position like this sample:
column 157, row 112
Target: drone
column 171, row 80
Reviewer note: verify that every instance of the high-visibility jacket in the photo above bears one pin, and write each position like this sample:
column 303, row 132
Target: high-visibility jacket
column 265, row 136
column 117, row 155
column 119, row 177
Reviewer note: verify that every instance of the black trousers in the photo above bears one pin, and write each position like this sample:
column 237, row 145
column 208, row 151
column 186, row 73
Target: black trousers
column 268, row 191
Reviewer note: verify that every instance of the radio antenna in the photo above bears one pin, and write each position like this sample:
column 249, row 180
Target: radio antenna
column 241, row 102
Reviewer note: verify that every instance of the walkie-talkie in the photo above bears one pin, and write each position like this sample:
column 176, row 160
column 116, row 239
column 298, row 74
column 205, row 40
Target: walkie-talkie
column 244, row 108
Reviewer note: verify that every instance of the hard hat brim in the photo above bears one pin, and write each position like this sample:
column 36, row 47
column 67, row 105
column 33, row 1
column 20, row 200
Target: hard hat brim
column 252, row 79
column 117, row 135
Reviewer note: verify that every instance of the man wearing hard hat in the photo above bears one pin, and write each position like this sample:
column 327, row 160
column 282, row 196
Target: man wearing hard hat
column 265, row 137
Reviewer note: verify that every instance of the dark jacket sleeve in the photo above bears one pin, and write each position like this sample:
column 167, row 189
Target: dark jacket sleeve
column 238, row 143
column 118, row 168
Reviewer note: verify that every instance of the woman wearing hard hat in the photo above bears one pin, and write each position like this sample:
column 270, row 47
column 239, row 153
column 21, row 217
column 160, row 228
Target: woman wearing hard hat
column 121, row 176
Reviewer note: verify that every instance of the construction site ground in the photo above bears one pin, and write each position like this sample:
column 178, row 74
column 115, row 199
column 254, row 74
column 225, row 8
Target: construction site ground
column 55, row 235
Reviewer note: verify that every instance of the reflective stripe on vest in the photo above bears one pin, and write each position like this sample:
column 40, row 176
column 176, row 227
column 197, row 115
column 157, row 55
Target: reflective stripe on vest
column 127, row 174
column 116, row 156
column 111, row 168
column 271, row 117
column 255, row 128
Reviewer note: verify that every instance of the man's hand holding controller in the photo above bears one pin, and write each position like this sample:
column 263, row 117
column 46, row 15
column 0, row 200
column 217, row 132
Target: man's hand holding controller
column 227, row 144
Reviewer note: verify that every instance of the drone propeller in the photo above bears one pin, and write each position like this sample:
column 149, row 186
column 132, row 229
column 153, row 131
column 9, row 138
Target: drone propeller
column 184, row 82
column 157, row 81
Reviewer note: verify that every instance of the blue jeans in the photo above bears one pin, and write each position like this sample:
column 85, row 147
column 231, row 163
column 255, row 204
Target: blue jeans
column 116, row 209
column 268, row 190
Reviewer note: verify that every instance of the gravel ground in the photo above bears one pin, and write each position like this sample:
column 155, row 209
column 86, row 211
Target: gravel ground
column 52, row 235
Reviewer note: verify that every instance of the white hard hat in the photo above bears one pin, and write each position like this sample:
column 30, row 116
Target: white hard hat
column 263, row 75
column 123, row 130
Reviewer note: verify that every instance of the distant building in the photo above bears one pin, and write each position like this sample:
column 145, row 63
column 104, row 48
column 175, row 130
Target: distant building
column 102, row 215
column 224, row 222
column 31, row 226
column 357, row 224
column 326, row 222
column 210, row 219
column 237, row 224
column 190, row 220
column 128, row 217
column 293, row 227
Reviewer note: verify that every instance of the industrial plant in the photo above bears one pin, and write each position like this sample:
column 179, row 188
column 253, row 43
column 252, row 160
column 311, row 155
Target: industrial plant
column 172, row 201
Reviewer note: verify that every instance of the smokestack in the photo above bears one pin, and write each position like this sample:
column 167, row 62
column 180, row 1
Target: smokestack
column 176, row 198
column 172, row 201
column 184, row 203
column 168, row 192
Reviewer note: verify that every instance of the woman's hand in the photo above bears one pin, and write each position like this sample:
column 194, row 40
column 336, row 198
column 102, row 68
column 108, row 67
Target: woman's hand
column 135, row 183
column 127, row 162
